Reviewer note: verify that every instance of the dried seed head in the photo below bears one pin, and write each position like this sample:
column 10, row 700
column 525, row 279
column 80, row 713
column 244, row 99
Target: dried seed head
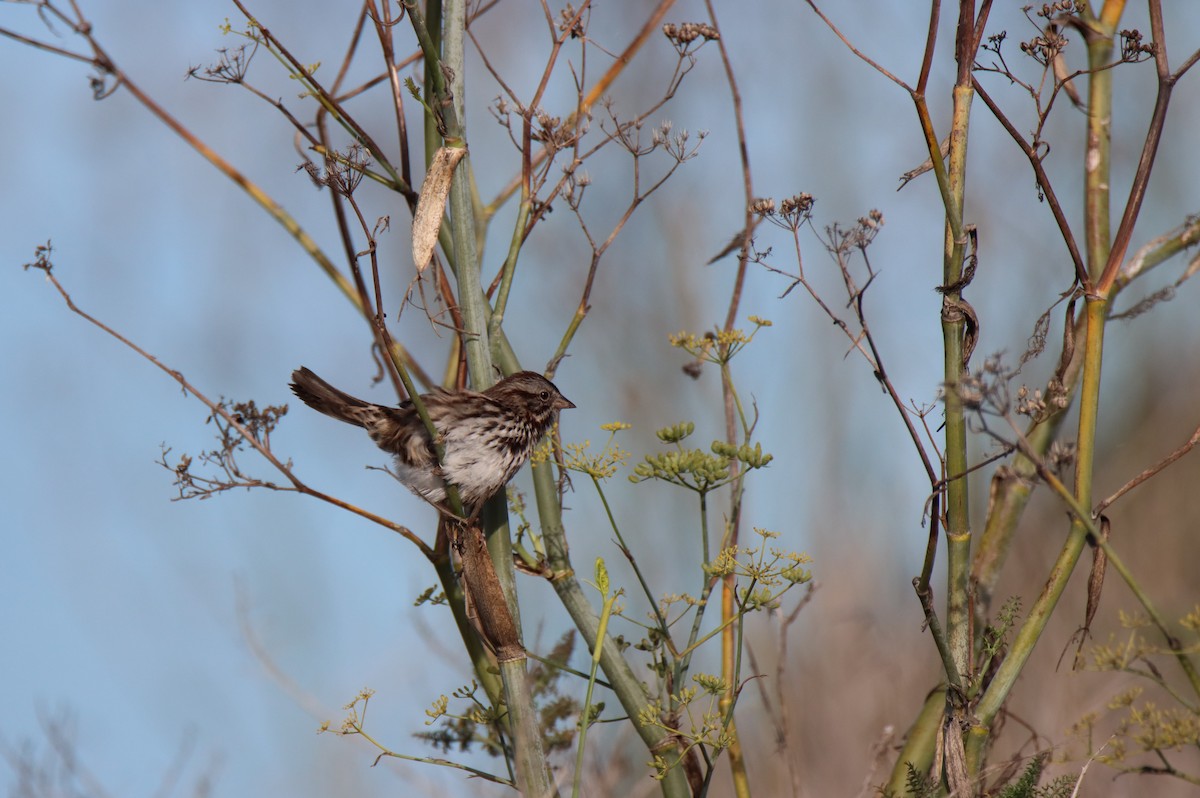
column 764, row 206
column 1061, row 455
column 797, row 207
column 687, row 32
column 1132, row 48
column 971, row 391
column 572, row 21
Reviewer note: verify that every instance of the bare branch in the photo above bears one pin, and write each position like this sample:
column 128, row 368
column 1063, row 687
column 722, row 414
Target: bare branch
column 1149, row 472
column 43, row 264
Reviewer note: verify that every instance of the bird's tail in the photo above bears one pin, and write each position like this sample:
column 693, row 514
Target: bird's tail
column 324, row 398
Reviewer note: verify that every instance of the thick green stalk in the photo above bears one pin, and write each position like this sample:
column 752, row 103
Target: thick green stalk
column 1011, row 490
column 1097, row 176
column 954, row 330
column 433, row 24
column 1083, row 515
column 919, row 742
column 1097, row 216
column 533, row 776
column 585, row 716
column 1039, row 614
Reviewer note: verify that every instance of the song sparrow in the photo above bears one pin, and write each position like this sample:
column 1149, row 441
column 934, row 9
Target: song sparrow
column 487, row 436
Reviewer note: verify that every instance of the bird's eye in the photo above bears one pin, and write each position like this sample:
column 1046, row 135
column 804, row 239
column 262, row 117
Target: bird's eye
column 544, row 395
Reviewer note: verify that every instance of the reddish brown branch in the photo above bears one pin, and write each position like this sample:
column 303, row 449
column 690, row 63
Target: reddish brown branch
column 43, row 264
column 1149, row 472
column 1141, row 178
column 598, row 90
column 1043, row 181
column 935, row 14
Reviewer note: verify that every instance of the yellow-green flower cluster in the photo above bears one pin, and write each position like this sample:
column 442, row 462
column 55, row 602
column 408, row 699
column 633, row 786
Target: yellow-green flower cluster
column 711, row 683
column 689, row 468
column 693, row 468
column 1191, row 620
column 603, row 464
column 718, row 345
column 751, row 456
column 767, row 566
column 693, row 722
column 1153, row 729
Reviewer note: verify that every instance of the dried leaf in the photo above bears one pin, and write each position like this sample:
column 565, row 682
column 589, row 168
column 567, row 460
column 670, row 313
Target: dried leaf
column 927, row 166
column 957, row 778
column 428, row 220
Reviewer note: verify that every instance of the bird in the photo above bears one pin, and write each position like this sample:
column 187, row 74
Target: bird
column 486, row 435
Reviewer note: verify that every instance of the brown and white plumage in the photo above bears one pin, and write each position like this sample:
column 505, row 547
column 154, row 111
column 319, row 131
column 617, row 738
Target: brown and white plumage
column 487, row 436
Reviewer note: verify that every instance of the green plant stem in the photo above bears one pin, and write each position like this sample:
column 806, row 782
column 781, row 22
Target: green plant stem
column 925, row 594
column 510, row 263
column 569, row 334
column 626, row 685
column 637, row 571
column 704, row 638
column 1097, row 237
column 919, row 742
column 1039, row 614
column 682, row 664
column 432, row 41
column 727, row 379
column 1083, row 516
column 304, row 75
column 957, row 528
column 385, row 751
column 731, row 664
column 1186, row 663
column 628, row 688
column 585, row 715
column 1158, row 250
column 952, row 207
column 531, row 767
column 1097, row 216
column 731, row 638
column 533, row 777
column 432, row 24
column 1012, row 490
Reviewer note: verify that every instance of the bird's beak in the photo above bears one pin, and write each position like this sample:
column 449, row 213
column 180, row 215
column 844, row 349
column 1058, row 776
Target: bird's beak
column 563, row 403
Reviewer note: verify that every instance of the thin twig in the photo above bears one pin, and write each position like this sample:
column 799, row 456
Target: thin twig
column 597, row 91
column 863, row 56
column 230, row 419
column 1141, row 178
column 1043, row 181
column 1149, row 472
